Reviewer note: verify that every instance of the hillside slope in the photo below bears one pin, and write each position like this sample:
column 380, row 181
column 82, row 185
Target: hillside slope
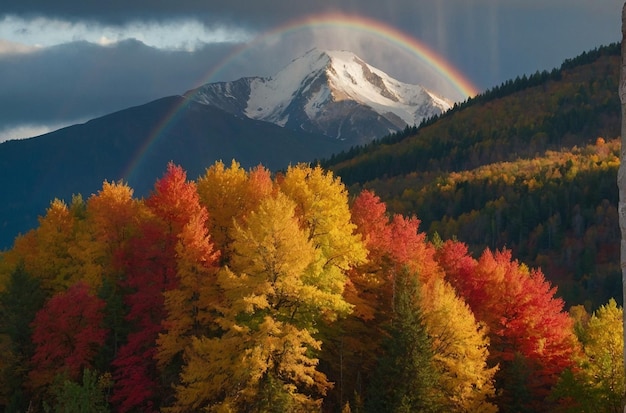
column 520, row 167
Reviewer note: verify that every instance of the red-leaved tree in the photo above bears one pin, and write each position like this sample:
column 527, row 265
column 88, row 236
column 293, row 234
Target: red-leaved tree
column 67, row 334
column 149, row 264
column 531, row 337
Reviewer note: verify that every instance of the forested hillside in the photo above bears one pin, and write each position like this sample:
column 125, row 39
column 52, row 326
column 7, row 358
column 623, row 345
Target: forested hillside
column 247, row 292
column 530, row 165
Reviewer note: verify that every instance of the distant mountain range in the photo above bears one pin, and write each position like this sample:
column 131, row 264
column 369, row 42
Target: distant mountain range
column 322, row 103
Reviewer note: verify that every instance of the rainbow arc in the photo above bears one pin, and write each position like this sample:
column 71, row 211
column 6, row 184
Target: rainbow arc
column 356, row 23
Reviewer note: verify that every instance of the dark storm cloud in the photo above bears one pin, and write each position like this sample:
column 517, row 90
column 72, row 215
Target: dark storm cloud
column 489, row 40
column 119, row 11
column 80, row 79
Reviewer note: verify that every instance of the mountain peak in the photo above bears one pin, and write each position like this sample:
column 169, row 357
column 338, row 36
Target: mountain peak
column 334, row 92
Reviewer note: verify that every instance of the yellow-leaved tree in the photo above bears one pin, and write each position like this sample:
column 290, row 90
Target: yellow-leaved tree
column 460, row 349
column 323, row 212
column 264, row 361
column 229, row 194
column 110, row 220
column 598, row 381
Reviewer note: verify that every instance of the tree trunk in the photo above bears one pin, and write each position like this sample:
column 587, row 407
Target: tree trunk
column 621, row 174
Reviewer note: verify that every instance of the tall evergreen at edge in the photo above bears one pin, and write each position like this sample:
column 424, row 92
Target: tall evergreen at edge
column 405, row 379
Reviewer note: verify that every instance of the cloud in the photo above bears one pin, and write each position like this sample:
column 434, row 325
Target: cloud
column 80, row 79
column 188, row 34
column 8, row 47
column 30, row 131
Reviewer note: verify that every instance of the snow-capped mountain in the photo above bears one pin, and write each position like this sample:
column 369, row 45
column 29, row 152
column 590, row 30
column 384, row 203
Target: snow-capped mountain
column 330, row 92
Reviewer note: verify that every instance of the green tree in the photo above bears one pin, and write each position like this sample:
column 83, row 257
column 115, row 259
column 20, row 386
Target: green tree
column 86, row 397
column 406, row 379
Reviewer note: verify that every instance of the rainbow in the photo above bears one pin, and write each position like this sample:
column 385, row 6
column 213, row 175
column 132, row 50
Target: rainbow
column 356, row 23
column 368, row 26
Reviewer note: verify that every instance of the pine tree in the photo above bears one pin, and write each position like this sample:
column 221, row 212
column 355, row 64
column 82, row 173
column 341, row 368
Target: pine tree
column 406, row 378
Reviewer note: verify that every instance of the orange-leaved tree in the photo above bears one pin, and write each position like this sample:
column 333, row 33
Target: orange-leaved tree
column 229, row 194
column 190, row 307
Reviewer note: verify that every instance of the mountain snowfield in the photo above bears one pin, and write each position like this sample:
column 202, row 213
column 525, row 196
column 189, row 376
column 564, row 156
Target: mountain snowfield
column 330, row 92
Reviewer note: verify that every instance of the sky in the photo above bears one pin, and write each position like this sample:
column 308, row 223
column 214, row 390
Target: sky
column 64, row 62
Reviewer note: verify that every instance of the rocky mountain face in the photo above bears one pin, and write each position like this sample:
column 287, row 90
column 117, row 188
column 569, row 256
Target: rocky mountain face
column 334, row 93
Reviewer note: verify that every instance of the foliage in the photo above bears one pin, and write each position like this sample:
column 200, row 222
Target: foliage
column 459, row 344
column 597, row 382
column 67, row 335
column 85, row 397
column 520, row 118
column 530, row 335
column 557, row 211
column 20, row 301
column 252, row 292
column 529, row 166
column 460, row 348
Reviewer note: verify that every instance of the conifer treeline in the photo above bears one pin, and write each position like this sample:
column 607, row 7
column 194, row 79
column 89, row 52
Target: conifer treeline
column 247, row 292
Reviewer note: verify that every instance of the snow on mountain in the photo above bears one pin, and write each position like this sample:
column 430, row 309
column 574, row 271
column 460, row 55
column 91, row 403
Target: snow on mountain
column 332, row 92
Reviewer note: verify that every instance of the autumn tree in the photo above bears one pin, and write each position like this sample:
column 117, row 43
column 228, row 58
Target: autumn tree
column 596, row 382
column 460, row 349
column 190, row 308
column 44, row 251
column 229, row 194
column 111, row 218
column 274, row 296
column 150, row 270
column 67, row 335
column 353, row 344
column 459, row 343
column 530, row 334
column 322, row 209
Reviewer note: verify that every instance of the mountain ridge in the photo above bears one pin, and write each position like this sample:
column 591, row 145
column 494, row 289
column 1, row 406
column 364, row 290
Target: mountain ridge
column 330, row 92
